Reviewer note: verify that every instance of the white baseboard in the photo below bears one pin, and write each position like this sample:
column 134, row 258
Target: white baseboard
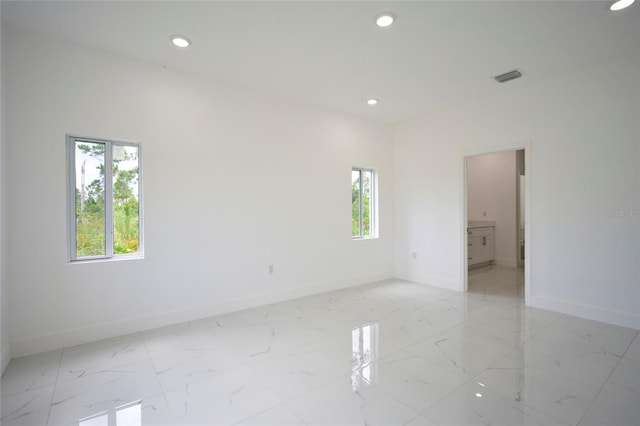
column 431, row 280
column 98, row 332
column 596, row 313
column 503, row 261
column 5, row 358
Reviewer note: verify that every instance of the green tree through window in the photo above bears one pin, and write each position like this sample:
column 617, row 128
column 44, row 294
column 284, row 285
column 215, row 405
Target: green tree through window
column 107, row 188
column 362, row 203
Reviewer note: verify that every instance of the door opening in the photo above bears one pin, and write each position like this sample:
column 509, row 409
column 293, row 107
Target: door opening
column 496, row 225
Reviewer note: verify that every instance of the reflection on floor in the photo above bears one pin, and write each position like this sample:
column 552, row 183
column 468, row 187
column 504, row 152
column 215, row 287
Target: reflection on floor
column 497, row 280
column 389, row 353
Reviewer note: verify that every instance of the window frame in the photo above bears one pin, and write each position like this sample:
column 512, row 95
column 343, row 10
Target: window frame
column 373, row 204
column 109, row 255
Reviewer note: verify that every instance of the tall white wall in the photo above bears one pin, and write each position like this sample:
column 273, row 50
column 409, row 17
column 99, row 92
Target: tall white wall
column 583, row 131
column 491, row 189
column 5, row 348
column 233, row 181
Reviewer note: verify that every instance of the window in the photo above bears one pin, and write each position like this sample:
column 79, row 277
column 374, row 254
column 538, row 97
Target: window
column 363, row 203
column 105, row 218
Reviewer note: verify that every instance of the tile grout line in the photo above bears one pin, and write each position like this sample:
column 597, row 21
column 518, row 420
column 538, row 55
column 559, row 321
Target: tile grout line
column 604, row 383
column 155, row 375
column 55, row 386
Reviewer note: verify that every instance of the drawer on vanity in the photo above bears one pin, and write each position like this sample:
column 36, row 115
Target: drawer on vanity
column 480, row 232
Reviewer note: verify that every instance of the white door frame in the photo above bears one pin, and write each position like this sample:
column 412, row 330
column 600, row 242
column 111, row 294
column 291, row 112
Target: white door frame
column 526, row 145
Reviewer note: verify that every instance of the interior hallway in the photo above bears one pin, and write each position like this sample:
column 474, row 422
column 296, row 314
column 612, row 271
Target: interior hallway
column 497, row 280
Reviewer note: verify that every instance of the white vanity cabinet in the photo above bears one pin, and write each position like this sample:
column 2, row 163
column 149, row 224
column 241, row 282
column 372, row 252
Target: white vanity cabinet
column 480, row 245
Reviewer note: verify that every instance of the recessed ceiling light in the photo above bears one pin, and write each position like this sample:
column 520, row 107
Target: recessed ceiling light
column 620, row 4
column 372, row 101
column 385, row 19
column 180, row 41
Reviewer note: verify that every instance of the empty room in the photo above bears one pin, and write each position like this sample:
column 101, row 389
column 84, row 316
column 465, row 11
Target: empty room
column 175, row 216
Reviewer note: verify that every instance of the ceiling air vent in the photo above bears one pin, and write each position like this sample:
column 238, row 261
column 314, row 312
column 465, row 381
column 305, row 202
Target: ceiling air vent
column 508, row 76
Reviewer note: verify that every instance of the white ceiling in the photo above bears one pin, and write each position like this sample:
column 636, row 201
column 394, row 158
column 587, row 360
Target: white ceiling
column 332, row 54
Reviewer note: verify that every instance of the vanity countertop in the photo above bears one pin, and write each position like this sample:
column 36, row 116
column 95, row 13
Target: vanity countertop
column 480, row 223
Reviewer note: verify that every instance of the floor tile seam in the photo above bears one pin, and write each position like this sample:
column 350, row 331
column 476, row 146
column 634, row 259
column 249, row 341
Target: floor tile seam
column 541, row 330
column 200, row 378
column 186, row 348
column 448, row 369
column 631, row 361
column 588, row 355
column 544, row 413
column 396, row 352
column 34, row 388
column 399, row 401
column 330, row 335
column 315, row 387
column 437, row 300
column 16, row 413
column 571, row 380
column 519, row 403
column 431, row 420
column 593, row 356
column 302, row 422
column 157, row 379
column 142, row 399
column 550, row 324
column 578, row 330
column 392, row 396
column 55, row 386
column 413, row 419
column 295, row 413
column 111, row 368
column 602, row 386
column 390, row 393
column 622, row 392
column 620, row 360
column 166, row 401
column 636, row 337
column 444, row 396
column 425, row 339
column 268, row 409
column 312, row 388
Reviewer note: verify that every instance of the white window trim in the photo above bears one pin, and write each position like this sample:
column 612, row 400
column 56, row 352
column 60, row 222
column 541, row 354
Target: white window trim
column 71, row 202
column 373, row 207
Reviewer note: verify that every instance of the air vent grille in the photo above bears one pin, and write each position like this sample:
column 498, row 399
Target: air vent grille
column 508, row 76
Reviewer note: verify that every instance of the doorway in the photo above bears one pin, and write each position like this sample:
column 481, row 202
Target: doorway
column 496, row 226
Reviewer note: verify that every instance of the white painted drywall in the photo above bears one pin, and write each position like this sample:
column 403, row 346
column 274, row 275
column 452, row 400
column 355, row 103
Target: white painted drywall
column 491, row 189
column 233, row 181
column 5, row 347
column 583, row 131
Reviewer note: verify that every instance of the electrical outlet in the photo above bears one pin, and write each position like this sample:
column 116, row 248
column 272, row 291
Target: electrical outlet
column 414, row 255
column 270, row 269
column 484, row 213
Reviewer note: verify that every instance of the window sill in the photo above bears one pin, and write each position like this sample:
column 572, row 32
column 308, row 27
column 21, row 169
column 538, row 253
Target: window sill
column 105, row 259
column 364, row 238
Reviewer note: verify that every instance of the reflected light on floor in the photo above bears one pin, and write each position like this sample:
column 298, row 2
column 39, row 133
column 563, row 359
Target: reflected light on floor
column 129, row 414
column 364, row 345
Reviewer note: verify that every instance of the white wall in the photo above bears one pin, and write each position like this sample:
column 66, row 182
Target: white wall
column 584, row 134
column 5, row 348
column 233, row 181
column 491, row 188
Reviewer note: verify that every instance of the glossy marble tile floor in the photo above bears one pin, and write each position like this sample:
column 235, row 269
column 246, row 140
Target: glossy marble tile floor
column 389, row 353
